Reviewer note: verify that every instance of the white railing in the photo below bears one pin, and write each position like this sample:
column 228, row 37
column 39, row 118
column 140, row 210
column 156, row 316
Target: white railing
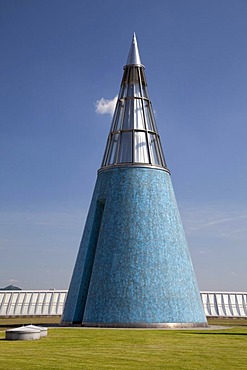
column 51, row 303
column 32, row 302
column 225, row 304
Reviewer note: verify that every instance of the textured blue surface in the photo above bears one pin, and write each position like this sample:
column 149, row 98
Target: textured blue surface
column 133, row 264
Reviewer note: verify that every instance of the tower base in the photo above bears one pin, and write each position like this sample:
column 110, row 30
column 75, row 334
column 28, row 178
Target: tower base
column 154, row 325
column 133, row 268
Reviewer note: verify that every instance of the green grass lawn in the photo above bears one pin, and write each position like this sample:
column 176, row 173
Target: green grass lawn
column 72, row 348
column 227, row 321
column 26, row 320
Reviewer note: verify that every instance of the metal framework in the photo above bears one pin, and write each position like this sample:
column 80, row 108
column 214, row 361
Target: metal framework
column 133, row 137
column 51, row 303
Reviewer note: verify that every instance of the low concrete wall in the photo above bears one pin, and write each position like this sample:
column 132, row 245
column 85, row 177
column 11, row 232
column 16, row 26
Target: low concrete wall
column 51, row 303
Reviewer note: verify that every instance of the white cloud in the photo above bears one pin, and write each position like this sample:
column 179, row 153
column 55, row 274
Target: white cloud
column 221, row 220
column 105, row 106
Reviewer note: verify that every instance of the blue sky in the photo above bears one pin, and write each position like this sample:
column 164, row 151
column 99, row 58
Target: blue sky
column 58, row 58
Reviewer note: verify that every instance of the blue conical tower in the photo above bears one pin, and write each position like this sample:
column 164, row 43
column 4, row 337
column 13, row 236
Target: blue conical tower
column 133, row 268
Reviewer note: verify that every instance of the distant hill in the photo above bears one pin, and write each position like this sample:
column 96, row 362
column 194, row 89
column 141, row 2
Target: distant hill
column 11, row 287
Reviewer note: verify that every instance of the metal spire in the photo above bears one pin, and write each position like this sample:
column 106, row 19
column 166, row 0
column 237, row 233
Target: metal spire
column 134, row 138
column 134, row 56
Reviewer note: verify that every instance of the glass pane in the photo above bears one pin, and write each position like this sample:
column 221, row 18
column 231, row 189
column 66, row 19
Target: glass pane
column 137, row 91
column 133, row 75
column 128, row 115
column 148, row 116
column 125, row 151
column 123, row 91
column 152, row 117
column 112, row 156
column 104, row 161
column 115, row 118
column 138, row 115
column 163, row 162
column 130, row 93
column 141, row 150
column 118, row 117
column 134, row 90
column 125, row 76
column 143, row 78
column 154, row 152
column 144, row 92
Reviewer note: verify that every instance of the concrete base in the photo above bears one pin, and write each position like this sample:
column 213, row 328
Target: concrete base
column 145, row 325
column 135, row 325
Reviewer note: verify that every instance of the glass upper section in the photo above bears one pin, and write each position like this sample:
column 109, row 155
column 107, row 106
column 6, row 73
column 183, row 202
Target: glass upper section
column 133, row 138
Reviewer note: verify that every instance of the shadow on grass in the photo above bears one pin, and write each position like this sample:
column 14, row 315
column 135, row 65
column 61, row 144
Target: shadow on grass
column 232, row 334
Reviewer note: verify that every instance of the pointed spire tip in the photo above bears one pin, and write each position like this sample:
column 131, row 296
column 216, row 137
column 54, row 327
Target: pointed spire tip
column 134, row 56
